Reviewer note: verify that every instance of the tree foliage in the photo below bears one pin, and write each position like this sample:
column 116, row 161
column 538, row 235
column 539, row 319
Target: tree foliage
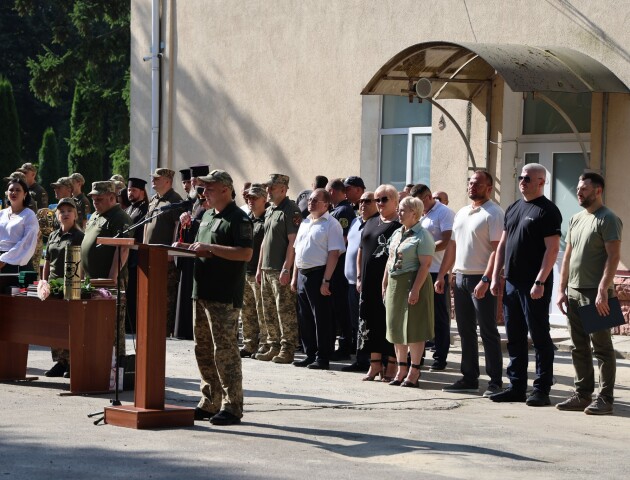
column 49, row 163
column 10, row 150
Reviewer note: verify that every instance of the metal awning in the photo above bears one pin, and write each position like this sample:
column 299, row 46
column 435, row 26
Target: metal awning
column 460, row 71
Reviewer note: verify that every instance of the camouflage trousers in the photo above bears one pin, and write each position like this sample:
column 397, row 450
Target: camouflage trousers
column 254, row 329
column 172, row 287
column 215, row 327
column 278, row 306
column 37, row 256
column 62, row 355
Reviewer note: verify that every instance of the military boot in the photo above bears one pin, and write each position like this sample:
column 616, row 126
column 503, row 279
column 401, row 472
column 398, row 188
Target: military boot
column 265, row 357
column 283, row 357
column 263, row 348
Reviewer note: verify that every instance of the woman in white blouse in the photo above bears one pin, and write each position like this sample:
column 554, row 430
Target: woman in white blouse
column 18, row 228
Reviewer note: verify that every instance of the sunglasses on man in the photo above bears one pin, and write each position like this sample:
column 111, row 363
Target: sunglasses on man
column 525, row 178
column 366, row 201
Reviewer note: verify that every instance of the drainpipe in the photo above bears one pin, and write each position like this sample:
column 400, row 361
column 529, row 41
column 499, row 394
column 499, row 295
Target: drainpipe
column 604, row 137
column 155, row 84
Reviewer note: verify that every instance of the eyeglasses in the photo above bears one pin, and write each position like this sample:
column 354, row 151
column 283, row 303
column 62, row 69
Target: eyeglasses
column 381, row 200
column 526, row 178
column 366, row 200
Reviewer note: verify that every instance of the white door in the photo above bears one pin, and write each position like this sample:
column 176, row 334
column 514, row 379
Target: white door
column 564, row 162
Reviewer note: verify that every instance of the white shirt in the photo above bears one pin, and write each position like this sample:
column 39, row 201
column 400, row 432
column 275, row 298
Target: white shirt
column 18, row 236
column 315, row 238
column 438, row 220
column 473, row 230
column 354, row 241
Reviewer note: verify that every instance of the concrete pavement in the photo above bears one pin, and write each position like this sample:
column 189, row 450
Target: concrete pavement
column 327, row 424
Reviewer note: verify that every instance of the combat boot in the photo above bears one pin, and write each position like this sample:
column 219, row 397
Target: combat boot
column 265, row 357
column 283, row 357
column 263, row 348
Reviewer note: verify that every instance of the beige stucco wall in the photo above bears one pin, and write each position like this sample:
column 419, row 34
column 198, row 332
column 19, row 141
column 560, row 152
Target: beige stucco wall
column 263, row 86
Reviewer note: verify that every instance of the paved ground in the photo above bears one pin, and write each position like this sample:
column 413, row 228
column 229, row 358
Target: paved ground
column 300, row 423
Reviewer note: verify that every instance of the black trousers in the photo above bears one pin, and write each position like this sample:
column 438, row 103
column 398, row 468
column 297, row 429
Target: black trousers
column 315, row 315
column 341, row 313
column 442, row 322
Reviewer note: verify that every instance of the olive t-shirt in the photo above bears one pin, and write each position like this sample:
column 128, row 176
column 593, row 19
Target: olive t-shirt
column 280, row 222
column 587, row 235
column 218, row 279
column 97, row 262
column 56, row 250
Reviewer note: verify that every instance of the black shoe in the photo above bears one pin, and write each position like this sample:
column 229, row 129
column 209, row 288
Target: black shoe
column 538, row 399
column 225, row 418
column 437, row 366
column 66, row 374
column 201, row 414
column 57, row 370
column 304, row 362
column 340, row 354
column 508, row 395
column 319, row 365
column 355, row 367
column 245, row 353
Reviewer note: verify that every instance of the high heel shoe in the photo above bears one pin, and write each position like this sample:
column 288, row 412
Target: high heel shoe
column 384, row 377
column 370, row 378
column 415, row 384
column 395, row 382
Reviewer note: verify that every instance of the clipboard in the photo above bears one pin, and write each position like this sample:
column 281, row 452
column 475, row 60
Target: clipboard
column 594, row 322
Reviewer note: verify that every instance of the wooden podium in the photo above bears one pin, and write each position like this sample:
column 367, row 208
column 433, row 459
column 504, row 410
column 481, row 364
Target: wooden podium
column 149, row 410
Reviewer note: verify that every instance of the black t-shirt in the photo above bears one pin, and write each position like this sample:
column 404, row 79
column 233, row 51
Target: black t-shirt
column 527, row 224
column 374, row 253
column 218, row 279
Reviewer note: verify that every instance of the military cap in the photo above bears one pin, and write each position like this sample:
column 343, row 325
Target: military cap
column 103, row 187
column 118, row 178
column 220, row 176
column 354, row 181
column 256, row 190
column 199, row 170
column 278, row 179
column 163, row 172
column 77, row 177
column 185, row 173
column 136, row 183
column 62, row 182
column 17, row 175
column 67, row 201
column 27, row 167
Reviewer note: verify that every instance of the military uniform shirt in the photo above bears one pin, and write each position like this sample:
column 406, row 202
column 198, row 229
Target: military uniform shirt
column 280, row 222
column 39, row 194
column 218, row 279
column 259, row 232
column 56, row 250
column 161, row 230
column 83, row 208
column 345, row 214
column 97, row 262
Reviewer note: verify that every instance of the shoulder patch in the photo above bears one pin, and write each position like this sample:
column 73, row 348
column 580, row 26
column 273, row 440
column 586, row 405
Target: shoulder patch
column 246, row 231
column 343, row 222
column 297, row 219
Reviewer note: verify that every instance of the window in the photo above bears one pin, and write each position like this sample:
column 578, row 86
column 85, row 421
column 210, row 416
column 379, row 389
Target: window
column 405, row 136
column 541, row 118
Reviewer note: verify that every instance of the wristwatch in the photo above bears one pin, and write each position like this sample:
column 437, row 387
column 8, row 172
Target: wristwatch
column 485, row 279
column 538, row 283
column 325, row 281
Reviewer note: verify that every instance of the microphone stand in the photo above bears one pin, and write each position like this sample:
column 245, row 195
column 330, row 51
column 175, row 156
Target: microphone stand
column 116, row 400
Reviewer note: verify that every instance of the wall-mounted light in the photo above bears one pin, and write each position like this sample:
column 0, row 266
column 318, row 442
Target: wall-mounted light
column 441, row 123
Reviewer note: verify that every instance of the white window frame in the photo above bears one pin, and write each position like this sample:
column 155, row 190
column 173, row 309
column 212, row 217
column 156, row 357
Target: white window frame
column 410, row 132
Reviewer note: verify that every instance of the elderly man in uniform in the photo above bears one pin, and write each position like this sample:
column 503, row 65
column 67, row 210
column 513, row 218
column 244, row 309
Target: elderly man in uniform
column 254, row 331
column 282, row 221
column 38, row 193
column 137, row 196
column 108, row 220
column 225, row 235
column 82, row 202
column 162, row 230
column 344, row 213
column 588, row 270
column 318, row 244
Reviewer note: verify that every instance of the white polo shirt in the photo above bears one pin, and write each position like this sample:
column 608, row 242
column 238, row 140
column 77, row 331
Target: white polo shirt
column 473, row 230
column 315, row 238
column 438, row 220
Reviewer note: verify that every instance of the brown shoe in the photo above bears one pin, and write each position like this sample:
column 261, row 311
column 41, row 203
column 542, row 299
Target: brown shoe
column 575, row 403
column 283, row 357
column 599, row 406
column 261, row 349
column 265, row 357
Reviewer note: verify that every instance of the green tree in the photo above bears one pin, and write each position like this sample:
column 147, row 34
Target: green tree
column 10, row 145
column 49, row 164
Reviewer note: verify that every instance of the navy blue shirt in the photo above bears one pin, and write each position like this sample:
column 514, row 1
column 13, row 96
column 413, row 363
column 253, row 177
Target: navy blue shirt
column 344, row 213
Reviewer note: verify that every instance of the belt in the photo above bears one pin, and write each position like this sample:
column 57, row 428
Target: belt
column 305, row 271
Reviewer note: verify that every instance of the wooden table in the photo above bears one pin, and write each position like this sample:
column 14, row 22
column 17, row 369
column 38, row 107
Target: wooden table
column 85, row 327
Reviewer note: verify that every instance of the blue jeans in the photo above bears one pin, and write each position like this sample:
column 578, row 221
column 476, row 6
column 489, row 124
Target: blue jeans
column 470, row 311
column 523, row 314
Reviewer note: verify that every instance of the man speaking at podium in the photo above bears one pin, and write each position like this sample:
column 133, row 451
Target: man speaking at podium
column 225, row 236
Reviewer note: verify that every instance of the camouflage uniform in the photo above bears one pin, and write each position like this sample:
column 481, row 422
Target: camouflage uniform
column 216, row 350
column 254, row 329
